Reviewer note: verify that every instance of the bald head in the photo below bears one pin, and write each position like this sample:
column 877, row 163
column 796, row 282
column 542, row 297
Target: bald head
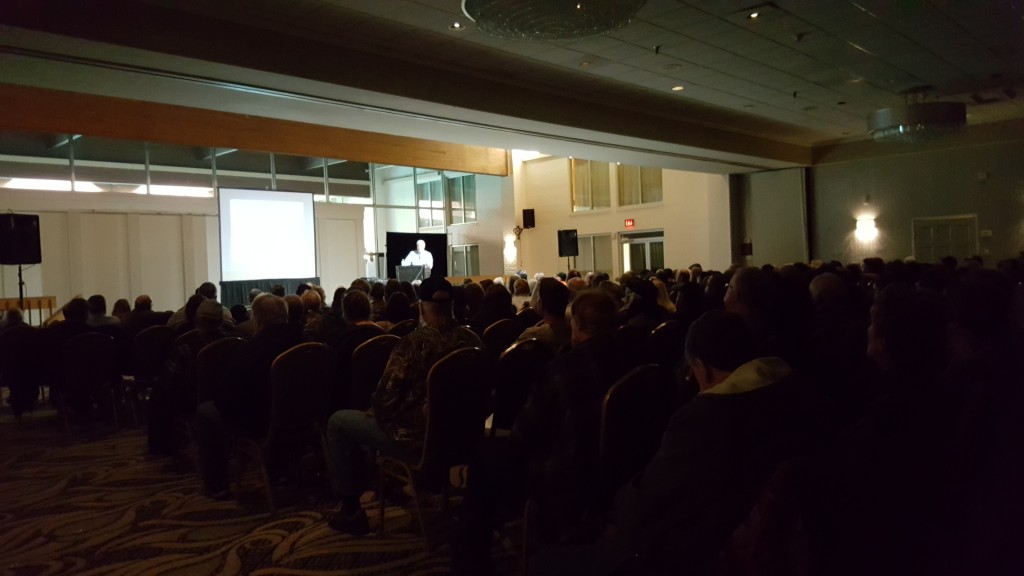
column 828, row 291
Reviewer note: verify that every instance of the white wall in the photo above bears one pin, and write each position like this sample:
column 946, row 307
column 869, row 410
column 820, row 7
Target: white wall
column 124, row 245
column 777, row 217
column 694, row 216
column 495, row 214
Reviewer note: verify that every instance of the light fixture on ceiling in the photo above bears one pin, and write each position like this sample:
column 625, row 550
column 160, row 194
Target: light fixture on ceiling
column 677, row 88
column 457, row 26
column 916, row 120
column 753, row 15
column 548, row 20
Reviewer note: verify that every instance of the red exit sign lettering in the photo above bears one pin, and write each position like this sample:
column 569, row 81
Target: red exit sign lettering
column 630, row 223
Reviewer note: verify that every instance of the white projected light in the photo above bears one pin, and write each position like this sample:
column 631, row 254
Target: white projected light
column 266, row 235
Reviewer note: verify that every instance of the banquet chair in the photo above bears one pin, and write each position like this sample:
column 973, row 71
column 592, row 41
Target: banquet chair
column 211, row 365
column 300, row 384
column 150, row 350
column 404, row 327
column 500, row 335
column 518, row 368
column 665, row 344
column 341, row 389
column 458, row 402
column 368, row 363
column 631, row 342
column 90, row 373
column 528, row 317
column 634, row 415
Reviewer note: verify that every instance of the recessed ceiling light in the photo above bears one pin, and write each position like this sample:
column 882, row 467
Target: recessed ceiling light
column 677, row 88
column 584, row 64
column 753, row 15
column 457, row 26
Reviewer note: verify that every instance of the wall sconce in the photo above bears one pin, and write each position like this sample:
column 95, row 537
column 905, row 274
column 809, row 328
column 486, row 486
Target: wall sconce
column 517, row 231
column 866, row 230
column 510, row 252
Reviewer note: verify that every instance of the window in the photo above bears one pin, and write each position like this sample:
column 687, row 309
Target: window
column 462, row 195
column 595, row 254
column 430, row 201
column 590, row 185
column 639, row 185
column 465, row 260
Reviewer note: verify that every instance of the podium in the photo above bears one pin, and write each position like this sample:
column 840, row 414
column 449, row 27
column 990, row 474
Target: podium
column 410, row 273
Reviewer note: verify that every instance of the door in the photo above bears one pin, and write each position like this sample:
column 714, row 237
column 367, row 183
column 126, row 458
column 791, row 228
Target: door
column 955, row 236
column 643, row 251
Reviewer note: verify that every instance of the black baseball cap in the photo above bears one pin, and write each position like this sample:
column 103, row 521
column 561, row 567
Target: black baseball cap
column 435, row 289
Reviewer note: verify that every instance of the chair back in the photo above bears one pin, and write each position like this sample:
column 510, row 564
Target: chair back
column 500, row 335
column 458, row 402
column 631, row 340
column 150, row 349
column 665, row 344
column 90, row 362
column 300, row 380
column 404, row 327
column 211, row 364
column 368, row 363
column 634, row 416
column 528, row 317
column 518, row 368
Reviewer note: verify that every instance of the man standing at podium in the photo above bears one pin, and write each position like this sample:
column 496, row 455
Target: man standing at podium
column 420, row 257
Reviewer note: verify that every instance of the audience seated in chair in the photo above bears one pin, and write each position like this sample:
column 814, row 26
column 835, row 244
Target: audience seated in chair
column 358, row 328
column 98, row 312
column 244, row 407
column 208, row 290
column 717, row 454
column 397, row 424
column 176, row 391
column 552, row 452
column 20, row 353
column 553, row 329
column 142, row 317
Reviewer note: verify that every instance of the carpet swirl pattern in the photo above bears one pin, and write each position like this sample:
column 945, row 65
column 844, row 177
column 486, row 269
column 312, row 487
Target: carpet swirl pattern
column 103, row 506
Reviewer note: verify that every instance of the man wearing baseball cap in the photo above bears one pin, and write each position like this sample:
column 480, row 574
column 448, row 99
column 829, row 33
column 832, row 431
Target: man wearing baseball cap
column 398, row 422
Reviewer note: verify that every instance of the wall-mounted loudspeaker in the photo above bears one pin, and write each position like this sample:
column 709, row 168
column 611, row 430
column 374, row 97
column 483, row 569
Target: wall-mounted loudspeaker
column 19, row 239
column 529, row 219
column 567, row 244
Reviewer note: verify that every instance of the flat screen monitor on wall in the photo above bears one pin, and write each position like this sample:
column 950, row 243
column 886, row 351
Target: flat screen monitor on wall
column 399, row 244
column 266, row 234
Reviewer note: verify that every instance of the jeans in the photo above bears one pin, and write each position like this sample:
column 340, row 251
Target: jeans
column 347, row 432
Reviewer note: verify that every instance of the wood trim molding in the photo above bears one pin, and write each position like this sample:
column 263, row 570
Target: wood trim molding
column 41, row 110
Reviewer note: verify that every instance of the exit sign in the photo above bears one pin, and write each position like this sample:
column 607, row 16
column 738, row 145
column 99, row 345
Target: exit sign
column 630, row 223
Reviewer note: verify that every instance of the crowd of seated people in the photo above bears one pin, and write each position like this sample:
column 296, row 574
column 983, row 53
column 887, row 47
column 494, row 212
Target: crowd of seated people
column 882, row 404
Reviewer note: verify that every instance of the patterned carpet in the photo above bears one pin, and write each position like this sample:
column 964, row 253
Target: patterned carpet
column 99, row 504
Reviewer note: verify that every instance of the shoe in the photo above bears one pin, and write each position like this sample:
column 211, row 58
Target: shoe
column 357, row 524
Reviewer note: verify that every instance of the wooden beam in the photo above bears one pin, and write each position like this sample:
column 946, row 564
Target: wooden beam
column 40, row 110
